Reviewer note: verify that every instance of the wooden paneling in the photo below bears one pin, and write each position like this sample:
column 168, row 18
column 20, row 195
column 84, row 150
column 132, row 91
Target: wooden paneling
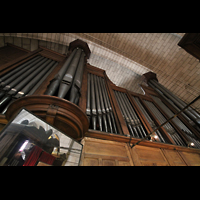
column 173, row 157
column 105, row 153
column 97, row 152
column 192, row 159
column 9, row 53
column 148, row 156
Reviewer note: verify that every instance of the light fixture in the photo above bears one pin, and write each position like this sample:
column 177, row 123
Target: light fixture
column 191, row 144
column 153, row 136
column 156, row 137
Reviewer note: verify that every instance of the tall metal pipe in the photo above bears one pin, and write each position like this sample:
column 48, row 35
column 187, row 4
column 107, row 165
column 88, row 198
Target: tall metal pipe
column 179, row 100
column 177, row 121
column 24, row 75
column 102, row 104
column 135, row 117
column 106, row 104
column 99, row 112
column 93, row 103
column 77, row 82
column 69, row 75
column 151, row 122
column 16, row 75
column 88, row 109
column 170, row 102
column 160, row 118
column 110, row 108
column 54, row 84
column 36, row 79
column 171, row 131
column 45, row 75
column 17, row 69
column 18, row 84
column 192, row 116
column 124, row 112
column 29, row 90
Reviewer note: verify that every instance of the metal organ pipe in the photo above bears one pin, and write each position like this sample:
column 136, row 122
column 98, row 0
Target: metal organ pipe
column 170, row 101
column 102, row 104
column 48, row 65
column 98, row 108
column 110, row 107
column 93, row 103
column 67, row 82
column 88, row 109
column 170, row 130
column 77, row 82
column 132, row 120
column 172, row 97
column 55, row 82
column 69, row 75
column 124, row 113
column 7, row 81
column 177, row 121
column 140, row 127
column 179, row 100
column 43, row 77
column 106, row 101
column 32, row 86
column 151, row 122
column 98, row 103
column 20, row 67
column 25, row 77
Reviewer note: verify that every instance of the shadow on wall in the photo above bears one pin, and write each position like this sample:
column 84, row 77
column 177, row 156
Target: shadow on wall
column 132, row 84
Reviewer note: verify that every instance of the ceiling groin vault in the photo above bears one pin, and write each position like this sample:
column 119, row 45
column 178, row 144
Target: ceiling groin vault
column 126, row 56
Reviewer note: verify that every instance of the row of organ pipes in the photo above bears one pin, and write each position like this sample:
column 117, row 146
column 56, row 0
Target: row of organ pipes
column 132, row 120
column 67, row 82
column 137, row 130
column 99, row 109
column 189, row 114
column 149, row 119
column 168, row 127
column 24, row 79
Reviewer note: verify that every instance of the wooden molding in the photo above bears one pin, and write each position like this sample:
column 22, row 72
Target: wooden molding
column 62, row 114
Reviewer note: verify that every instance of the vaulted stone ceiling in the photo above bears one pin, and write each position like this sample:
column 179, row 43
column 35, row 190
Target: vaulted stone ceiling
column 126, row 56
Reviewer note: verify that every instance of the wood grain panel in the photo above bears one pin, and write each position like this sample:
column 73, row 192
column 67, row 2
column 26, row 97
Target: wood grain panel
column 148, row 156
column 91, row 162
column 98, row 152
column 192, row 159
column 173, row 157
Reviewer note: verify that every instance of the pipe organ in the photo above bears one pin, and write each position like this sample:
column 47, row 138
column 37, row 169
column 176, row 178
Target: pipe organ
column 132, row 120
column 98, row 108
column 22, row 80
column 81, row 101
column 67, row 82
column 150, row 121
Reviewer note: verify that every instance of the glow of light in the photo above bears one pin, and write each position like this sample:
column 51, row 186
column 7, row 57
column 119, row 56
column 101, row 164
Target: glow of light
column 23, row 146
column 156, row 137
column 192, row 144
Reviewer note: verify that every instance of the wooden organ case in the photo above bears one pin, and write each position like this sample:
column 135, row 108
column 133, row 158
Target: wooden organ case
column 105, row 118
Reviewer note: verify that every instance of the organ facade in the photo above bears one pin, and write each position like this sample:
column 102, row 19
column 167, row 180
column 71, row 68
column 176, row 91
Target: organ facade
column 80, row 100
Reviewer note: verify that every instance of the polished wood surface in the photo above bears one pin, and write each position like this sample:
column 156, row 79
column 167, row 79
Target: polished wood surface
column 105, row 153
column 61, row 113
column 97, row 152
